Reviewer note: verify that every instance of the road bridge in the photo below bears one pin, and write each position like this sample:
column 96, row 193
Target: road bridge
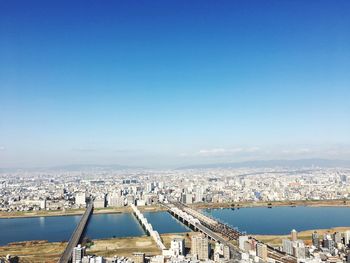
column 76, row 236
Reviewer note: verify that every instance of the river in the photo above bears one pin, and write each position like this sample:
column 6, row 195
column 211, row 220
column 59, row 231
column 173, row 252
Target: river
column 259, row 220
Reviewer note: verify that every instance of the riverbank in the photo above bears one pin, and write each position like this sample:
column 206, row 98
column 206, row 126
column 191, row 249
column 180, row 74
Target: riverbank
column 43, row 251
column 313, row 203
column 156, row 208
column 70, row 212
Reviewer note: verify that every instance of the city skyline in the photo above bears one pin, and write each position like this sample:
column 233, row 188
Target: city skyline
column 173, row 83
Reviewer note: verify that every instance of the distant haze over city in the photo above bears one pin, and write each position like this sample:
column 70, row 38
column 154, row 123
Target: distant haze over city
column 290, row 164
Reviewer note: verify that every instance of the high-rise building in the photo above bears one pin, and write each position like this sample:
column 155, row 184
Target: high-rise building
column 138, row 257
column 177, row 245
column 227, row 253
column 78, row 254
column 200, row 247
column 337, row 237
column 329, row 243
column 199, row 195
column 287, row 246
column 299, row 249
column 149, row 187
column 241, row 241
column 294, row 235
column 100, row 201
column 115, row 199
column 315, row 239
column 80, row 199
column 261, row 251
column 347, row 237
column 187, row 198
column 249, row 246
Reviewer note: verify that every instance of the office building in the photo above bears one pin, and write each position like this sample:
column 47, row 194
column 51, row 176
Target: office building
column 200, row 247
column 100, row 201
column 177, row 245
column 187, row 198
column 241, row 241
column 299, row 249
column 115, row 199
column 329, row 243
column 337, row 237
column 261, row 251
column 80, row 199
column 315, row 239
column 287, row 246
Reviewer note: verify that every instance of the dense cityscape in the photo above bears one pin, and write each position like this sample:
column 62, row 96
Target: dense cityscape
column 25, row 191
column 65, row 191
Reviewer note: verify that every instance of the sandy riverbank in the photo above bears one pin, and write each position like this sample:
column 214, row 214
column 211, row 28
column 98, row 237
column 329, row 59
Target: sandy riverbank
column 107, row 210
column 43, row 251
column 313, row 203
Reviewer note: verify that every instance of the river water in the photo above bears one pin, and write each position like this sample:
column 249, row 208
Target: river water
column 260, row 220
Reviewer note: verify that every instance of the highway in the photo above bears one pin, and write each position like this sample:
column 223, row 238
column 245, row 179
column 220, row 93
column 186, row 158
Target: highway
column 76, row 236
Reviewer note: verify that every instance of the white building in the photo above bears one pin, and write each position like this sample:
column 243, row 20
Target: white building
column 78, row 254
column 177, row 246
column 80, row 199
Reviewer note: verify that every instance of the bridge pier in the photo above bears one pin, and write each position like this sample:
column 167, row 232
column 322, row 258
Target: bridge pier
column 217, row 231
column 148, row 227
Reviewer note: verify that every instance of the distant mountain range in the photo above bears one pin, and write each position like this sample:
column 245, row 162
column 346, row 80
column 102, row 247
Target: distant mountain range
column 74, row 168
column 300, row 163
column 81, row 167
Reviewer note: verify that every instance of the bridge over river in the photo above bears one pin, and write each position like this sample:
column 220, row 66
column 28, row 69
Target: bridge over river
column 76, row 236
column 218, row 231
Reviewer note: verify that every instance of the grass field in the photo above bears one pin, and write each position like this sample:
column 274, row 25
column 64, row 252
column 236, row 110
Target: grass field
column 40, row 251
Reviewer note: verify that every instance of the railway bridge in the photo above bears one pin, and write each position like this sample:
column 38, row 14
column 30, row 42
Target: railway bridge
column 219, row 231
column 148, row 227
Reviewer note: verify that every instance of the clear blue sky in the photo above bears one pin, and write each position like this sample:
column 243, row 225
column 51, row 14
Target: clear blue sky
column 160, row 83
